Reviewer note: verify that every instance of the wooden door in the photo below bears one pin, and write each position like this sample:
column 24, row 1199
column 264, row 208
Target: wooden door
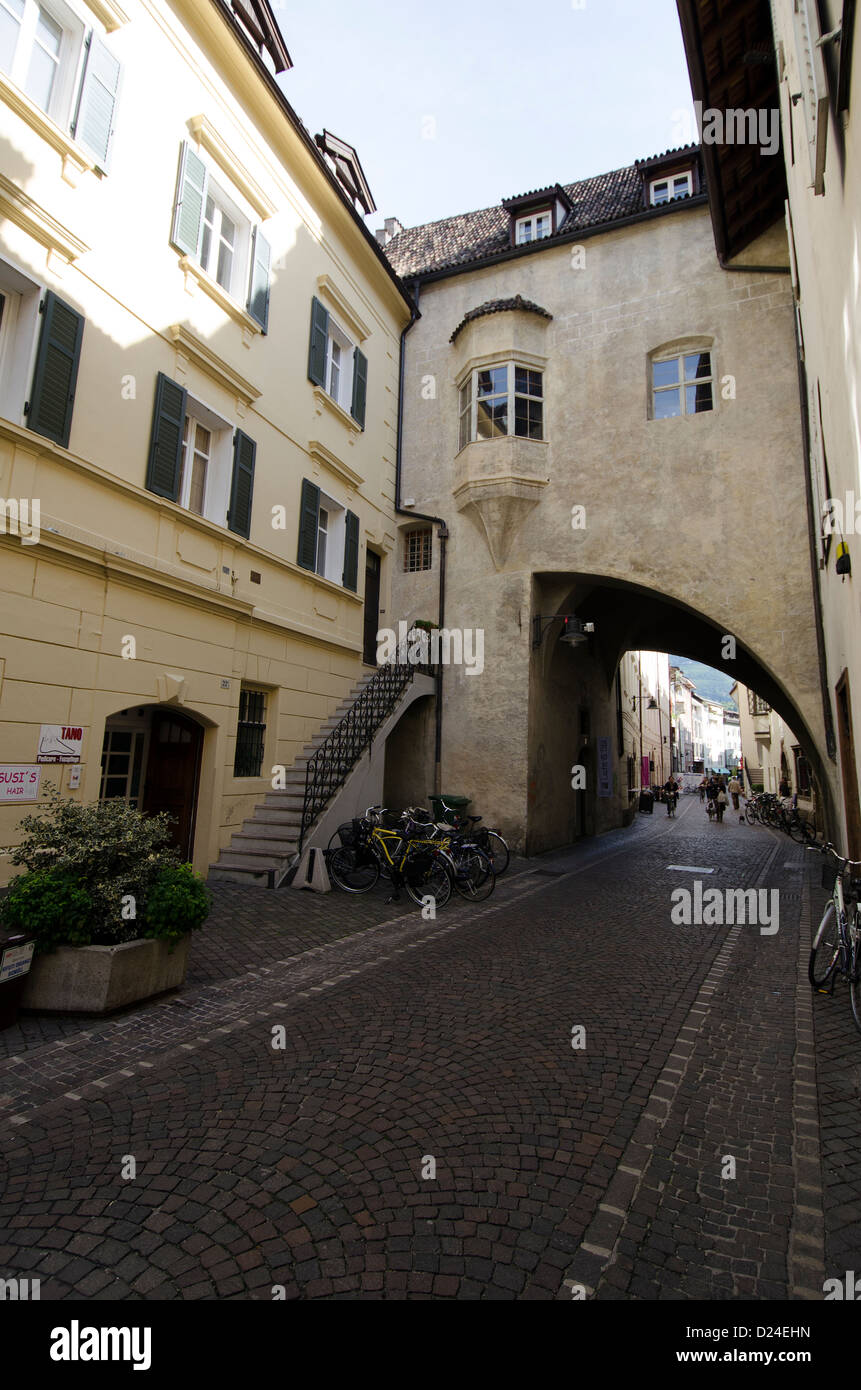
column 373, row 566
column 173, row 769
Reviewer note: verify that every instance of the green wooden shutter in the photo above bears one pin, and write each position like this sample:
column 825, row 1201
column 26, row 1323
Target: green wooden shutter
column 242, row 485
column 190, row 202
column 309, row 515
column 319, row 343
column 351, row 553
column 49, row 410
column 97, row 101
column 258, row 289
column 360, row 387
column 165, row 450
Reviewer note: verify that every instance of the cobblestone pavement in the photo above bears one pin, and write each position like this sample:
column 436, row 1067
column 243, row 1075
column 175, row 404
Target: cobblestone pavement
column 428, row 1130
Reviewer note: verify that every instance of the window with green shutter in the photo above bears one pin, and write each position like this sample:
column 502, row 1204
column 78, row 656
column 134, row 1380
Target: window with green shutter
column 95, row 115
column 351, row 553
column 190, row 202
column 49, row 410
column 309, row 514
column 360, row 387
column 242, row 484
column 165, row 450
column 258, row 290
column 319, row 346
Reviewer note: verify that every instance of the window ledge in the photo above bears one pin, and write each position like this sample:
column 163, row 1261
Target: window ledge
column 503, row 440
column 26, row 213
column 75, row 160
column 189, row 346
column 112, row 15
column 232, row 165
column 196, row 275
column 324, row 400
column 321, row 455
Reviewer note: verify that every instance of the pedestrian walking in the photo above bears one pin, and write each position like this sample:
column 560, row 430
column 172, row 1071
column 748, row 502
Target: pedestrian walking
column 721, row 800
column 702, row 788
column 734, row 790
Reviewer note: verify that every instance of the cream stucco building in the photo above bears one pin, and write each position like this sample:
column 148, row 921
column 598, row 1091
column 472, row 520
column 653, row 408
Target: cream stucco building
column 199, row 378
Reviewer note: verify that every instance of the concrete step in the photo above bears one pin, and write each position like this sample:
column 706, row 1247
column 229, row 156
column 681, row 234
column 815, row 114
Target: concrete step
column 250, row 859
column 270, row 830
column 249, row 878
column 256, row 845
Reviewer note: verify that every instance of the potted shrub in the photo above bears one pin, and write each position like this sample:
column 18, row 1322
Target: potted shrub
column 110, row 904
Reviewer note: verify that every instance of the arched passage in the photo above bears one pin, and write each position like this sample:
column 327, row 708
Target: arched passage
column 572, row 701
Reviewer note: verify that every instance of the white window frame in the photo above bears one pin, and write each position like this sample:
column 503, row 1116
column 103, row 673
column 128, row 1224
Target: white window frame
column 19, row 335
column 526, row 228
column 67, row 76
column 191, row 450
column 240, row 269
column 670, row 181
column 335, row 532
column 468, row 403
column 679, row 355
column 338, row 339
column 219, row 468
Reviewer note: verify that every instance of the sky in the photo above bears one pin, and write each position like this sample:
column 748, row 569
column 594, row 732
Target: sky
column 457, row 104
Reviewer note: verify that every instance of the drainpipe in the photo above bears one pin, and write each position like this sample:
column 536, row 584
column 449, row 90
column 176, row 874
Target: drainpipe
column 442, row 534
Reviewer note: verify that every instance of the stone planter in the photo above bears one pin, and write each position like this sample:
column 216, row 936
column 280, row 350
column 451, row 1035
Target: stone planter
column 99, row 979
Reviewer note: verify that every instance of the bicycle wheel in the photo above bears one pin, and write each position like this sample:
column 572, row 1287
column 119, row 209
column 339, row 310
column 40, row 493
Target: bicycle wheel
column 353, row 871
column 426, row 876
column 497, row 852
column 798, row 830
column 750, row 813
column 474, row 878
column 855, row 981
column 825, row 952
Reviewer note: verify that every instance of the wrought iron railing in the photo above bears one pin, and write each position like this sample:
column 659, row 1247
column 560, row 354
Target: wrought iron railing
column 330, row 766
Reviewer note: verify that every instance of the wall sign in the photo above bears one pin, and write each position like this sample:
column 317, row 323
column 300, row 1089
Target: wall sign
column 58, row 743
column 15, row 961
column 19, row 783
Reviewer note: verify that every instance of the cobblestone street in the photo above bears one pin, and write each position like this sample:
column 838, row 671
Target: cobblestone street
column 556, row 1166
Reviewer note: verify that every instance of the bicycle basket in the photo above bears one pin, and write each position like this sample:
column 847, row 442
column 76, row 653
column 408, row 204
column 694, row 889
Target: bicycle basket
column 829, row 875
column 351, row 833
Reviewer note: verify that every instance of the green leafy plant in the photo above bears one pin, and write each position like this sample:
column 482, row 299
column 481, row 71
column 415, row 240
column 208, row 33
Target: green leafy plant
column 53, row 905
column 111, row 852
column 178, row 902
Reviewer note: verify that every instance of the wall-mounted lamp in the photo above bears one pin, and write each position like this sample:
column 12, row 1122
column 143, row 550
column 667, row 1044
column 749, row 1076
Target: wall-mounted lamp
column 574, row 631
column 653, row 704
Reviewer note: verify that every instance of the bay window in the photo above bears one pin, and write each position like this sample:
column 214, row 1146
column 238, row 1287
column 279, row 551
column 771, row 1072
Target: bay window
column 502, row 400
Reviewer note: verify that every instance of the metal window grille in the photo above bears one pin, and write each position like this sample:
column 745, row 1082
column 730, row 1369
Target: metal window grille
column 417, row 550
column 250, row 733
column 756, row 705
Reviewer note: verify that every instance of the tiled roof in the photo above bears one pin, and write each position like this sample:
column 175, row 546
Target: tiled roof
column 498, row 306
column 476, row 236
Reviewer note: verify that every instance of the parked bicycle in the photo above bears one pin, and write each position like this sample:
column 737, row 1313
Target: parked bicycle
column 413, row 854
column 836, row 947
column 769, row 809
column 487, row 839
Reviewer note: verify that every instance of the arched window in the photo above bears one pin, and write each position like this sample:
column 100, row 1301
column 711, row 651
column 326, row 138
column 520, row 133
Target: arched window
column 681, row 378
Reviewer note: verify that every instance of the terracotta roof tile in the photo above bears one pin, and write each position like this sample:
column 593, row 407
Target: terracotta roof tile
column 476, row 236
column 498, row 306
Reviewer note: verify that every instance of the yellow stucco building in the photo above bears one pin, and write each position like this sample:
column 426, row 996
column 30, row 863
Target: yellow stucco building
column 199, row 352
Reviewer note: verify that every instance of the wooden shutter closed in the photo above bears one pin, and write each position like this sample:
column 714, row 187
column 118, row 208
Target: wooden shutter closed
column 360, row 387
column 319, row 343
column 190, row 202
column 258, row 290
column 242, row 485
column 165, row 450
column 95, row 116
column 351, row 553
column 309, row 514
column 49, row 411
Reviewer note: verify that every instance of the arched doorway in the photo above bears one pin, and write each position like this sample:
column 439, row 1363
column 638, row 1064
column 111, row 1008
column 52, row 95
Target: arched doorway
column 151, row 759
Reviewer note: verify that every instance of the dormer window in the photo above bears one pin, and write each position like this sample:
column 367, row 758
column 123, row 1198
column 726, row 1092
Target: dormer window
column 664, row 190
column 537, row 215
column 533, row 228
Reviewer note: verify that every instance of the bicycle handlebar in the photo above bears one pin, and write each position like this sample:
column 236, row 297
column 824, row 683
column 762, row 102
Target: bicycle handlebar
column 829, row 849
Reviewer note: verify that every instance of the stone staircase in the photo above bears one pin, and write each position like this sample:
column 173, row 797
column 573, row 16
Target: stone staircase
column 264, row 851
